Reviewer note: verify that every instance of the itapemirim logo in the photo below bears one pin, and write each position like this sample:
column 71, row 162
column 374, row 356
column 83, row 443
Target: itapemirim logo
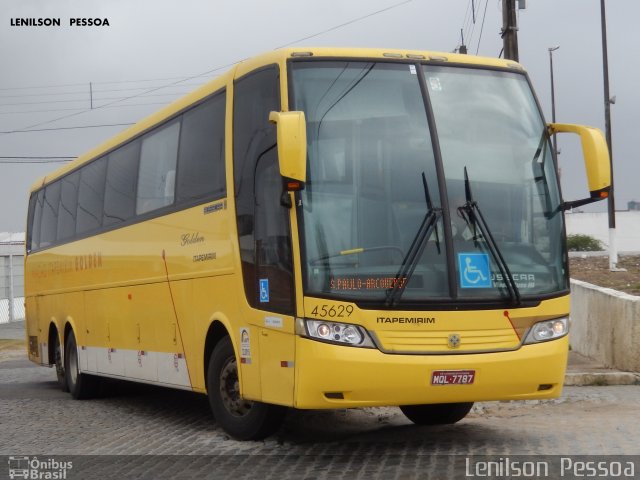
column 32, row 468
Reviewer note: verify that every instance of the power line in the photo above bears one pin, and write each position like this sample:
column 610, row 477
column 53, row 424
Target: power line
column 350, row 22
column 396, row 5
column 32, row 162
column 484, row 15
column 86, row 92
column 18, row 157
column 84, row 100
column 74, row 110
column 71, row 128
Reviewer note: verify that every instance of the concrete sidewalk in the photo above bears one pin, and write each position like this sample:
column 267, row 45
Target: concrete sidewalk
column 12, row 331
column 581, row 371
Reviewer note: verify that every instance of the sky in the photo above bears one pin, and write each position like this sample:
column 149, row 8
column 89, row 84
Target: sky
column 154, row 51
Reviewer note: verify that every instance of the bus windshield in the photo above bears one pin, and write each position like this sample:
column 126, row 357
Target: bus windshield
column 388, row 148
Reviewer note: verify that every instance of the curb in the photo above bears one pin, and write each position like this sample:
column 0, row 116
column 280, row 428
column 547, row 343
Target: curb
column 577, row 379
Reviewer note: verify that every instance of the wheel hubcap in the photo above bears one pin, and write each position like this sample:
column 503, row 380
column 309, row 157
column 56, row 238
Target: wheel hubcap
column 230, row 390
column 59, row 366
column 73, row 365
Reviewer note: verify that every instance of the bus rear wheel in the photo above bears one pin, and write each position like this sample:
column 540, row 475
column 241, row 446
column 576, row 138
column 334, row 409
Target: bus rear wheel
column 437, row 413
column 80, row 385
column 240, row 418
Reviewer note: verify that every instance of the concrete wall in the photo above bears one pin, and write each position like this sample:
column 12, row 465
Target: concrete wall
column 605, row 325
column 597, row 225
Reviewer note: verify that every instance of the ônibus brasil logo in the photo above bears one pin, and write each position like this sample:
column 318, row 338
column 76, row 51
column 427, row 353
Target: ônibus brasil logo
column 33, row 468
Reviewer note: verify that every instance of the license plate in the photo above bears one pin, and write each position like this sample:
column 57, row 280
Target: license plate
column 453, row 377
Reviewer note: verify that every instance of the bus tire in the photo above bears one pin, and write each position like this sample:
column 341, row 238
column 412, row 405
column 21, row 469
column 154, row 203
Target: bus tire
column 81, row 385
column 437, row 413
column 242, row 419
column 59, row 364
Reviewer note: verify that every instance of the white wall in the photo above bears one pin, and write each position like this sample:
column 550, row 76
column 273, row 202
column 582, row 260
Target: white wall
column 597, row 225
column 605, row 325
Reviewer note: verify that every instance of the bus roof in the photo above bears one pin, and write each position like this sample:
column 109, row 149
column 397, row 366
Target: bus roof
column 274, row 57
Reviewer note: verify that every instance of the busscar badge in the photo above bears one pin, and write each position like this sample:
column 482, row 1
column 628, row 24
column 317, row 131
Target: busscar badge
column 454, row 340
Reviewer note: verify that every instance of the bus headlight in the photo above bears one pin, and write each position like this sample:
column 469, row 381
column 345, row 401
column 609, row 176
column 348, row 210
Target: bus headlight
column 334, row 332
column 548, row 330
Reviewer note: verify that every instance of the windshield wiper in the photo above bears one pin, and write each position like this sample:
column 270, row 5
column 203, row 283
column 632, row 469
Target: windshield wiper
column 418, row 244
column 541, row 177
column 474, row 215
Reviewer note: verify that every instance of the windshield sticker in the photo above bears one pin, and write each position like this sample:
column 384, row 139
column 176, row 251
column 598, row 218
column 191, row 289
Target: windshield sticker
column 474, row 270
column 264, row 290
column 434, row 84
column 522, row 280
column 275, row 322
column 412, row 69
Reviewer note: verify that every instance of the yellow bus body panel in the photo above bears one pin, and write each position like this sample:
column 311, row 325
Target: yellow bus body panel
column 367, row 377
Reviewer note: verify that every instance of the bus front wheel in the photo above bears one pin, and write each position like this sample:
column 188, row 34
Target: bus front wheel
column 80, row 385
column 437, row 413
column 240, row 418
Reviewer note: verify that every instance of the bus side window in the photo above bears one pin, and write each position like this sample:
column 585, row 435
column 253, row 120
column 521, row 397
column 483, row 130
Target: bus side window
column 91, row 196
column 120, row 189
column 158, row 158
column 49, row 223
column 201, row 171
column 68, row 206
column 36, row 218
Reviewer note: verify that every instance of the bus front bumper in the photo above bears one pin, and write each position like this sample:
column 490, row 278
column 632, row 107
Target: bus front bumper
column 334, row 376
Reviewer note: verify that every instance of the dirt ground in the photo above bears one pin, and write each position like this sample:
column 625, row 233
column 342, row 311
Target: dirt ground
column 595, row 270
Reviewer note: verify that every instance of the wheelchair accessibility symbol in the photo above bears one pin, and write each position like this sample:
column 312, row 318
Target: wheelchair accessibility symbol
column 264, row 290
column 474, row 270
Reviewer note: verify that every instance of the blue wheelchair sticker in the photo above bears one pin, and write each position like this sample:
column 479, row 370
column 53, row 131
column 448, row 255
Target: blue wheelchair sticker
column 264, row 290
column 474, row 270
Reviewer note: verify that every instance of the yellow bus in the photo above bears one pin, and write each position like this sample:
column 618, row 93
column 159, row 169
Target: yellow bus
column 316, row 228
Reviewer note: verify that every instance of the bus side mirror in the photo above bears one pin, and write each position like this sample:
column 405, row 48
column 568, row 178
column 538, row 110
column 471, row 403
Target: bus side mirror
column 292, row 148
column 596, row 161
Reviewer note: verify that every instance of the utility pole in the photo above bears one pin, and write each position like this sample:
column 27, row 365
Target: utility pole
column 510, row 30
column 613, row 251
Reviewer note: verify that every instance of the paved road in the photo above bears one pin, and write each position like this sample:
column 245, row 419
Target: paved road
column 37, row 418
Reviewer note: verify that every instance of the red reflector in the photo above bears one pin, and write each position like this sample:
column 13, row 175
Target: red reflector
column 294, row 186
column 604, row 194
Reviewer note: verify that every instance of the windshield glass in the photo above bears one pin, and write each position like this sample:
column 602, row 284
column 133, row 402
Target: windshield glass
column 488, row 122
column 372, row 209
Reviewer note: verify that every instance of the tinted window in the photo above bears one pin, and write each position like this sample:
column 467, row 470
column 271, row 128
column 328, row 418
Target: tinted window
column 30, row 214
column 201, row 157
column 68, row 206
column 120, row 189
column 254, row 145
column 37, row 219
column 156, row 179
column 91, row 196
column 49, row 224
column 274, row 260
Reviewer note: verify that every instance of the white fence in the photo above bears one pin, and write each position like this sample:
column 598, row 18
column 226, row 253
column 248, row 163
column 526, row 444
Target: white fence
column 11, row 277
